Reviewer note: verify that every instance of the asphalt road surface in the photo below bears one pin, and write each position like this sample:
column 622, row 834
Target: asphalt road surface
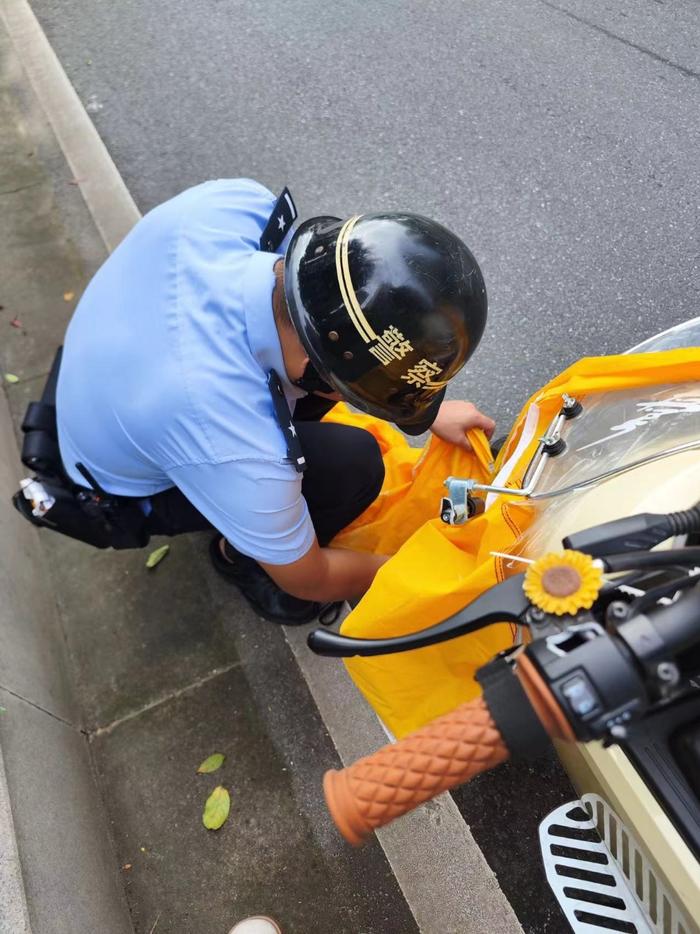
column 560, row 140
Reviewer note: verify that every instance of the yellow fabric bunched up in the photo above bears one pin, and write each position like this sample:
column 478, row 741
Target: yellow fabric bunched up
column 435, row 569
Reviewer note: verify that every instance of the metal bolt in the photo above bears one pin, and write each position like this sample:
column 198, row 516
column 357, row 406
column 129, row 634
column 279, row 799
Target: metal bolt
column 333, row 336
column 536, row 614
column 618, row 731
column 618, row 610
column 347, row 355
column 668, row 673
column 572, row 407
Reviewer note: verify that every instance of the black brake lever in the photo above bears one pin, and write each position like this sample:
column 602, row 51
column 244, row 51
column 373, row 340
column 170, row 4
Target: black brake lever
column 504, row 603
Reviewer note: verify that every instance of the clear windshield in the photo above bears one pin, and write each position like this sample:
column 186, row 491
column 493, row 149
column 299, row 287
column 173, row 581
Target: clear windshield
column 683, row 335
column 616, row 429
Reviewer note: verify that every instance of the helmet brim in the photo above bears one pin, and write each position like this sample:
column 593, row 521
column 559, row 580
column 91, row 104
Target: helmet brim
column 424, row 419
column 418, row 423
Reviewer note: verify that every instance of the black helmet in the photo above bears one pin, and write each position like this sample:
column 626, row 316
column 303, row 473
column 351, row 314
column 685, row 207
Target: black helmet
column 389, row 307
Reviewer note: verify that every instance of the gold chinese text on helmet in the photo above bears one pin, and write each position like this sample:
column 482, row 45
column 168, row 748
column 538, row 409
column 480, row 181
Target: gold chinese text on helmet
column 389, row 307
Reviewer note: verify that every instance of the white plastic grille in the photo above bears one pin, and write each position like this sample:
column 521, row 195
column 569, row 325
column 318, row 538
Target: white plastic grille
column 600, row 876
column 657, row 904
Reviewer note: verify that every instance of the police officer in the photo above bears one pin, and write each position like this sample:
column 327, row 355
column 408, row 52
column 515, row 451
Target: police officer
column 204, row 351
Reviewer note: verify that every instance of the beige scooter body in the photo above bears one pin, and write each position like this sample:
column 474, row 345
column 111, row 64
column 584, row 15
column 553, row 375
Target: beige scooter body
column 648, row 839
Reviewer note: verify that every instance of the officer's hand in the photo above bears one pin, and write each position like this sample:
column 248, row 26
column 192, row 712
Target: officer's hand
column 455, row 418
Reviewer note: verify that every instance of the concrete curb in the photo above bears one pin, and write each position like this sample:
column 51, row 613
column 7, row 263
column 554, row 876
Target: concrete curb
column 46, row 772
column 443, row 875
column 14, row 915
column 58, row 871
column 445, row 879
column 107, row 197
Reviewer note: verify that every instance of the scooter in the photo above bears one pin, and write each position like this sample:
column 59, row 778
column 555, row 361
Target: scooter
column 605, row 584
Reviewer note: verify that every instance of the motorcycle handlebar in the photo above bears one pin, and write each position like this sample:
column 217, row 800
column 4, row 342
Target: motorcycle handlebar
column 459, row 745
column 678, row 625
column 445, row 753
column 397, row 778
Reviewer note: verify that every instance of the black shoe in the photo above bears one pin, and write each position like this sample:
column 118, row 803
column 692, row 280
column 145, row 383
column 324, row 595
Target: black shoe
column 263, row 594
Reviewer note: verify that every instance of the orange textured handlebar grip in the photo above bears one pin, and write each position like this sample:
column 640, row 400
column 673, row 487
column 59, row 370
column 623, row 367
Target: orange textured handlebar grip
column 399, row 777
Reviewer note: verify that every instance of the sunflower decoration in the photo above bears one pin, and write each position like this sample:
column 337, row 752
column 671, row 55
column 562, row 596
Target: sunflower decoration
column 563, row 582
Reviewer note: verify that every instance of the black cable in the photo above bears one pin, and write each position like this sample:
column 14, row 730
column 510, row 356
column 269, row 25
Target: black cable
column 686, row 521
column 634, row 533
column 627, row 581
column 633, row 560
column 643, row 603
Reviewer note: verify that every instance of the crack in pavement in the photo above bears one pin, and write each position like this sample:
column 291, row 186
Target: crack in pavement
column 36, row 706
column 104, row 730
column 12, row 191
column 688, row 72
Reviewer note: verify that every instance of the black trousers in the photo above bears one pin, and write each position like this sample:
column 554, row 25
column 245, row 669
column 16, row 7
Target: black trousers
column 344, row 474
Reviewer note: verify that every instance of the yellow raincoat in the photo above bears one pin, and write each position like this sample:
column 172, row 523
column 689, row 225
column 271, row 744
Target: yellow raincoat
column 437, row 569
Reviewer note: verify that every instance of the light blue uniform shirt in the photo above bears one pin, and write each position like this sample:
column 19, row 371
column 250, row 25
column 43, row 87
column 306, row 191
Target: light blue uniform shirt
column 164, row 373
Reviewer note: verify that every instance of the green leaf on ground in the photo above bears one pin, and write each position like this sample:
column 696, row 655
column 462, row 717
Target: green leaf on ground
column 216, row 809
column 214, row 762
column 11, row 378
column 157, row 556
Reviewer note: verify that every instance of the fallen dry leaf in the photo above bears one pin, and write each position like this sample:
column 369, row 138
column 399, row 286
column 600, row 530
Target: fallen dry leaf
column 214, row 762
column 157, row 556
column 127, row 866
column 216, row 809
column 11, row 378
column 68, row 296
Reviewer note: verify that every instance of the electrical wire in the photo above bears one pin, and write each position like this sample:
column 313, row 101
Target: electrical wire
column 633, row 560
column 645, row 602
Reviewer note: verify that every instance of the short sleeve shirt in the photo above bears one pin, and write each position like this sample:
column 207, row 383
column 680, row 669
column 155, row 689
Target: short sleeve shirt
column 163, row 380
